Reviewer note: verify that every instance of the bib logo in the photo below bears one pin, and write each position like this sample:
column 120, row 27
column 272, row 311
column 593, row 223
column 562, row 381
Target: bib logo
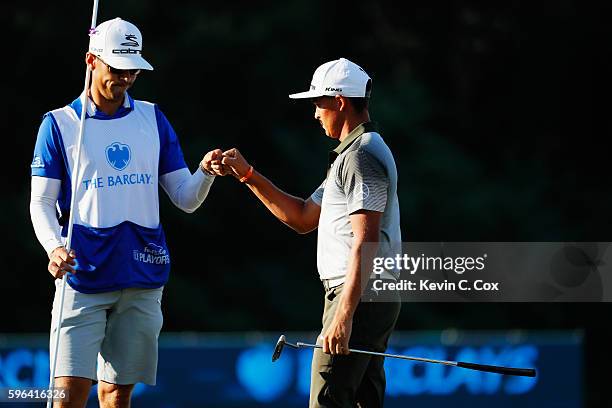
column 118, row 155
column 154, row 249
column 152, row 254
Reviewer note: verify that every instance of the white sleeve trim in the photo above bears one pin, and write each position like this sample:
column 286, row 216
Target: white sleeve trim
column 187, row 191
column 43, row 199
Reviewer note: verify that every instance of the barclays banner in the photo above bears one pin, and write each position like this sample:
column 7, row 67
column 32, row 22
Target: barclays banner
column 235, row 370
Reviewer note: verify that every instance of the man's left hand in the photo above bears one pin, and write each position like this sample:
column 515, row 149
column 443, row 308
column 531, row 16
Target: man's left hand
column 336, row 338
column 211, row 163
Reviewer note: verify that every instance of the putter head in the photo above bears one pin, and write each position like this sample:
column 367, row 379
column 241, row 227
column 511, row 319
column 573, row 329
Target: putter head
column 279, row 348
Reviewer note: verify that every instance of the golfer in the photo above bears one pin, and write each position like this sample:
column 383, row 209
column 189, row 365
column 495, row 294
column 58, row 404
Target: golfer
column 356, row 204
column 120, row 262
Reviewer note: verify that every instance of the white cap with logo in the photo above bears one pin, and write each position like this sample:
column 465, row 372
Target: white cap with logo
column 119, row 44
column 338, row 77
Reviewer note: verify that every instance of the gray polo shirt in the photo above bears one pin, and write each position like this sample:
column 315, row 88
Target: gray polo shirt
column 362, row 176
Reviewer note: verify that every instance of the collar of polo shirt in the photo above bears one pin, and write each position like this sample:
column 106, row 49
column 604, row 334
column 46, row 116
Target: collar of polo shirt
column 364, row 127
column 92, row 109
column 93, row 112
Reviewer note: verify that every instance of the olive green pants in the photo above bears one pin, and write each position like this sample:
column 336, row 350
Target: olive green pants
column 354, row 380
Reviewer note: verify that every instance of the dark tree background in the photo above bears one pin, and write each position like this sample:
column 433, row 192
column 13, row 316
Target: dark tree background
column 496, row 113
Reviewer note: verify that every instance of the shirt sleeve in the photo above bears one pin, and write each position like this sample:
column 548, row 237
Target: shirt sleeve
column 43, row 198
column 48, row 160
column 187, row 191
column 170, row 153
column 317, row 195
column 364, row 181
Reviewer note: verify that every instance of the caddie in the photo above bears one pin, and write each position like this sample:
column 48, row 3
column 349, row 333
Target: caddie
column 119, row 261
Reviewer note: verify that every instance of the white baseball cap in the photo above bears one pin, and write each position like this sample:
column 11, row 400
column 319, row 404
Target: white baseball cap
column 119, row 44
column 337, row 77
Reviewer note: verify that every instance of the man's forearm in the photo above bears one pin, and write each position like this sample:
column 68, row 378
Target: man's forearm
column 352, row 287
column 287, row 208
column 187, row 191
column 356, row 279
column 44, row 193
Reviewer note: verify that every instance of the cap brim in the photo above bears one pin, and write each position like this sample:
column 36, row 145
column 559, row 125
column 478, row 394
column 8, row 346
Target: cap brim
column 305, row 95
column 128, row 62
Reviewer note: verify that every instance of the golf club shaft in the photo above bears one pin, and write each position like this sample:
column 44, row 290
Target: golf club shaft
column 74, row 181
column 375, row 353
column 524, row 372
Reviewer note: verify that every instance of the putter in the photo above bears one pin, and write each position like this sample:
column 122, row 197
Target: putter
column 74, row 176
column 523, row 372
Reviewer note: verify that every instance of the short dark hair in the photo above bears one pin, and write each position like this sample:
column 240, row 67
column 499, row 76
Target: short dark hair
column 361, row 104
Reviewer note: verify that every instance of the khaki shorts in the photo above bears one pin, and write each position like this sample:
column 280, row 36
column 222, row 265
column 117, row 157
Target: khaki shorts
column 117, row 330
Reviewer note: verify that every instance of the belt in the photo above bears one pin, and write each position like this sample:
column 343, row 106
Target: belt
column 332, row 283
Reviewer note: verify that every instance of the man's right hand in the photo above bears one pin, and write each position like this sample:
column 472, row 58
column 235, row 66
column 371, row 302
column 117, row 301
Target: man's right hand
column 236, row 162
column 61, row 262
column 211, row 163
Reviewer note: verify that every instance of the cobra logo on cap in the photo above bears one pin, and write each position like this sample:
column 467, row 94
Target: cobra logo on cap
column 130, row 41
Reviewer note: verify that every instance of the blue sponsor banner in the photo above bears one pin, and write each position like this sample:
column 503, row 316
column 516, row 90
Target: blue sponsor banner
column 235, row 370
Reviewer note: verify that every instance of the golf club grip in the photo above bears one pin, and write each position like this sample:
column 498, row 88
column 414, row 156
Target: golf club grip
column 524, row 372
